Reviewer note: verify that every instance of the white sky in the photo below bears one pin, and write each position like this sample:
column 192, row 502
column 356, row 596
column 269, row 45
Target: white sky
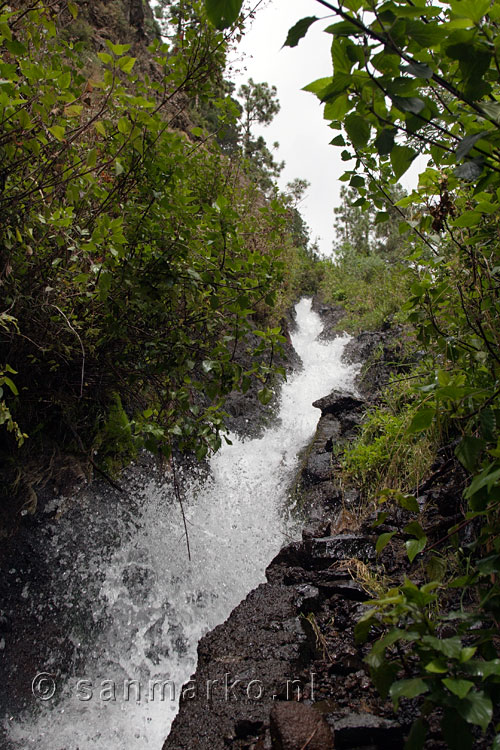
column 302, row 133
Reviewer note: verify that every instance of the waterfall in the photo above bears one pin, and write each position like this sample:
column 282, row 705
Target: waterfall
column 137, row 607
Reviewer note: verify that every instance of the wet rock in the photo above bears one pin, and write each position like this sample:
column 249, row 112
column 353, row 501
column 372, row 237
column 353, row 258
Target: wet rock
column 244, row 729
column 351, row 497
column 361, row 729
column 292, row 554
column 5, row 625
column 339, row 404
column 323, row 552
column 244, row 664
column 318, row 468
column 331, row 316
column 307, row 598
column 325, row 495
column 350, row 590
column 328, row 431
column 345, row 664
column 295, row 726
column 319, row 529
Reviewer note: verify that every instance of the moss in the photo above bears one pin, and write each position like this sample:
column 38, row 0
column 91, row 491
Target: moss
column 116, row 444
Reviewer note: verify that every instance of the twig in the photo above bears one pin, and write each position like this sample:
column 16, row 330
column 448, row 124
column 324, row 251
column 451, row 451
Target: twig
column 179, row 499
column 81, row 344
column 304, row 746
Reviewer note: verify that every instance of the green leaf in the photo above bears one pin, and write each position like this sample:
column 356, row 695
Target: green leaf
column 8, row 382
column 469, row 451
column 343, row 28
column 436, row 666
column 473, row 9
column 384, row 142
column 450, row 647
column 470, row 171
column 415, row 529
column 456, row 731
column 401, row 159
column 299, row 30
column 383, row 541
column 57, row 131
column 477, row 709
column 425, row 34
column 460, row 688
column 126, row 64
column 383, row 677
column 492, row 110
column 488, row 424
column 419, row 70
column 358, row 130
column 117, row 49
column 468, row 219
column 409, row 104
column 422, row 420
column 362, row 627
column 407, row 689
column 223, row 13
column 105, row 57
column 467, row 143
column 99, row 126
column 265, row 395
column 124, row 125
column 416, row 738
column 317, row 86
column 408, row 502
column 414, row 547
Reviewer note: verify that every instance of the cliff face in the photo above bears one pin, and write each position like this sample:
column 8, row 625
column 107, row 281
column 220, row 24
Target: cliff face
column 122, row 21
column 120, row 17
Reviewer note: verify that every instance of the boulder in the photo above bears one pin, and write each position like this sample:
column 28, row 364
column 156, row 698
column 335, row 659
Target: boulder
column 295, row 726
column 339, row 404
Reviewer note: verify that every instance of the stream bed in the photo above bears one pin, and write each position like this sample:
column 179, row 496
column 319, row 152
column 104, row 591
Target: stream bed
column 118, row 582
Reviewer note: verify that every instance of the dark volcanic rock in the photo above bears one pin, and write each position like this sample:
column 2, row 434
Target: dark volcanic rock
column 295, row 726
column 318, row 468
column 367, row 729
column 323, row 552
column 243, row 666
column 339, row 404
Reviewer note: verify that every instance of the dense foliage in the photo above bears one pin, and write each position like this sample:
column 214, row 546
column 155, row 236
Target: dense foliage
column 369, row 275
column 135, row 253
column 412, row 78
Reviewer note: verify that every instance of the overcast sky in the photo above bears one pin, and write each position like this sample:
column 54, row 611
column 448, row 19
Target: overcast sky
column 300, row 129
column 302, row 133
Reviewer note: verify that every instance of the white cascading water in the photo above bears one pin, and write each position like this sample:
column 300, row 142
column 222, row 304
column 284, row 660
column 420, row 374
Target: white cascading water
column 153, row 605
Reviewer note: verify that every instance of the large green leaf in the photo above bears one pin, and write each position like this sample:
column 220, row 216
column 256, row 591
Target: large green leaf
column 414, row 547
column 358, row 130
column 401, row 159
column 223, row 13
column 477, row 709
column 299, row 30
column 422, row 420
column 408, row 689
